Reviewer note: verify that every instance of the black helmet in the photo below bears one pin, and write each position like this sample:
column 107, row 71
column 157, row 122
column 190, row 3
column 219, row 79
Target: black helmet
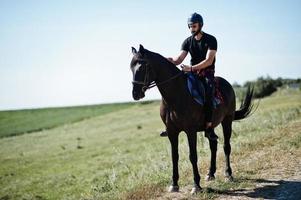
column 195, row 18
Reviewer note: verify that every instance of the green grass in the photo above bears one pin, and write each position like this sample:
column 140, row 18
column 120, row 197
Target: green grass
column 120, row 155
column 17, row 122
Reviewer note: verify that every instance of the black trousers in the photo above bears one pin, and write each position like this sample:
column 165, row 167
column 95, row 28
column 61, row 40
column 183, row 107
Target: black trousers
column 208, row 82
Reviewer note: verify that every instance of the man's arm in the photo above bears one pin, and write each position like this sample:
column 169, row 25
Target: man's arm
column 205, row 63
column 179, row 59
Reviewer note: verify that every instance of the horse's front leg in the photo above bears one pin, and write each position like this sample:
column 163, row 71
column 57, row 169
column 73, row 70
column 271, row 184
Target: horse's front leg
column 213, row 148
column 192, row 140
column 173, row 138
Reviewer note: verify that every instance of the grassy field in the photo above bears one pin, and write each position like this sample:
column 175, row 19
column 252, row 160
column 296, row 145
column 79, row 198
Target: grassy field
column 16, row 122
column 118, row 154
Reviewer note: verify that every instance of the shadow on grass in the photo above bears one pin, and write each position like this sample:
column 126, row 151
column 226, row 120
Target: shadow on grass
column 265, row 189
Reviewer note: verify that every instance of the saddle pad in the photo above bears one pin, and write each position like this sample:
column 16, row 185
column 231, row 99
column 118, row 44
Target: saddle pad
column 197, row 90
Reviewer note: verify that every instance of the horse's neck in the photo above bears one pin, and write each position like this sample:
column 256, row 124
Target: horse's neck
column 173, row 91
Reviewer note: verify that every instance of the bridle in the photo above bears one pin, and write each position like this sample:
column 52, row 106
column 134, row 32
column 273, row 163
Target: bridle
column 146, row 84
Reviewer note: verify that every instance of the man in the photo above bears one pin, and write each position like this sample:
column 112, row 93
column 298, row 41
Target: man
column 202, row 48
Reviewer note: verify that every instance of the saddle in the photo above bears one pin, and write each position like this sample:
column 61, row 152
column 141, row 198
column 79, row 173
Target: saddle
column 197, row 90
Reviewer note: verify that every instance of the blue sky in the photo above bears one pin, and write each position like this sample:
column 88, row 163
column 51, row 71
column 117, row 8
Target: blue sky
column 59, row 53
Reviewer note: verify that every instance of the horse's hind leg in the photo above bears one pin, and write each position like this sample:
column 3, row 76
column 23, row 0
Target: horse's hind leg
column 227, row 130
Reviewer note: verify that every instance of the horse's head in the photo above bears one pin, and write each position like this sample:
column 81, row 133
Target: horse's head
column 142, row 71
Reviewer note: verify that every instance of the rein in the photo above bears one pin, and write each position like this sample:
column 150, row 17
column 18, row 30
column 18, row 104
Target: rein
column 149, row 85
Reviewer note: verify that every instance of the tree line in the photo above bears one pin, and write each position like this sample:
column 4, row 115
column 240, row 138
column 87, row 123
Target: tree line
column 265, row 86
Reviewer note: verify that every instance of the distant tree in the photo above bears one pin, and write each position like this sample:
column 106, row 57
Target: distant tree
column 235, row 84
column 265, row 86
column 278, row 82
column 262, row 86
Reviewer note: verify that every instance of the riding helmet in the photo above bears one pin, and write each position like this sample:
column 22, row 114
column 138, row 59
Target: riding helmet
column 195, row 18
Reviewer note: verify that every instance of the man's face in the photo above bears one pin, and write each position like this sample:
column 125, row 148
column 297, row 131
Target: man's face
column 194, row 28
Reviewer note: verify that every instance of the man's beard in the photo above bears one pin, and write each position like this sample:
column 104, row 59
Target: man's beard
column 194, row 33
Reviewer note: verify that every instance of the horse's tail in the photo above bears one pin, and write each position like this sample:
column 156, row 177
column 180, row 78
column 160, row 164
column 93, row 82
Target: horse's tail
column 246, row 106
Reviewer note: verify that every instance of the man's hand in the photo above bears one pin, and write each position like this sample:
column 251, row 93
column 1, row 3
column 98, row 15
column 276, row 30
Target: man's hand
column 186, row 68
column 179, row 59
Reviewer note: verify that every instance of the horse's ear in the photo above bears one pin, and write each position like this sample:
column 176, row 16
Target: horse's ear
column 134, row 51
column 141, row 50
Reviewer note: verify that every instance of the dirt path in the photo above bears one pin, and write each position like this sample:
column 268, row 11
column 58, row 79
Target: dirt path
column 276, row 171
column 277, row 186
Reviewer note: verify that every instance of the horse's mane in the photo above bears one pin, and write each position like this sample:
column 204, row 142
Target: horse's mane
column 163, row 61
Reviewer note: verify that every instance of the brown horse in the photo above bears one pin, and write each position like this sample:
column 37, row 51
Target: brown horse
column 179, row 111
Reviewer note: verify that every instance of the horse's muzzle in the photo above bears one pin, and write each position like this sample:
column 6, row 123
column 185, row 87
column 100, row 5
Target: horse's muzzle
column 138, row 95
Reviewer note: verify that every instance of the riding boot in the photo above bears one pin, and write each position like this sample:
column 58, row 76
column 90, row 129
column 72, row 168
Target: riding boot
column 164, row 134
column 209, row 131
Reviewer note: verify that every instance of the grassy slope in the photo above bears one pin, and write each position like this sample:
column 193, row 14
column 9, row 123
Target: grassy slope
column 109, row 156
column 21, row 121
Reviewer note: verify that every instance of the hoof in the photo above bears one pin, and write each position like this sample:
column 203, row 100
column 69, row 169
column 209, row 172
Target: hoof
column 195, row 190
column 164, row 134
column 210, row 177
column 173, row 188
column 229, row 179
